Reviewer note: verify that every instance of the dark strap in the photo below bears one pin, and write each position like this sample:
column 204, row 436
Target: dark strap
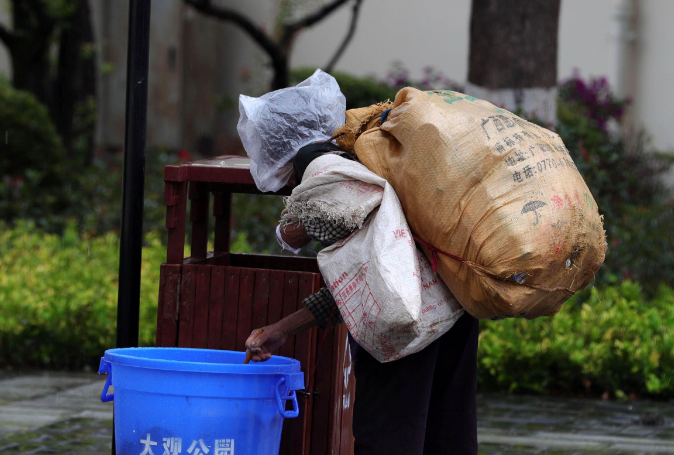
column 310, row 152
column 384, row 116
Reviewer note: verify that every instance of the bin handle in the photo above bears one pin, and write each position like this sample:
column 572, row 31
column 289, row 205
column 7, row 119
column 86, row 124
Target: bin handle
column 106, row 368
column 280, row 401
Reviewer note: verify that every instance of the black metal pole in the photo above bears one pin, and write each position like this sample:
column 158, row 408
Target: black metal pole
column 133, row 189
column 128, row 301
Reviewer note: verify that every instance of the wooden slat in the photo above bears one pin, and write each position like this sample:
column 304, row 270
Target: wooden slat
column 244, row 323
column 221, row 259
column 311, row 373
column 300, row 432
column 339, row 389
column 216, row 305
column 201, row 301
column 276, row 292
column 175, row 198
column 199, row 197
column 290, row 289
column 274, row 314
column 320, row 431
column 169, row 332
column 265, row 261
column 336, row 385
column 231, row 308
column 160, row 306
column 335, row 395
column 260, row 299
column 187, row 292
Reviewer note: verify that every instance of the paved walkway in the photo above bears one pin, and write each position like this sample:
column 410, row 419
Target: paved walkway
column 61, row 413
column 53, row 413
column 545, row 425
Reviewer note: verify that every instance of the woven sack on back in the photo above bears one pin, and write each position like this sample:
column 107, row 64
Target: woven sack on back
column 497, row 202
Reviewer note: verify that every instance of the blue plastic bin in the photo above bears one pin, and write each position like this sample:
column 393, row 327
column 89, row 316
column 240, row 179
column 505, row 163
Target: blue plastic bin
column 198, row 401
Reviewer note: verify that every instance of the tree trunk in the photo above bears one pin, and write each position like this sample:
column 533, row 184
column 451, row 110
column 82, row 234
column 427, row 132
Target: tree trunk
column 281, row 77
column 73, row 106
column 30, row 52
column 513, row 55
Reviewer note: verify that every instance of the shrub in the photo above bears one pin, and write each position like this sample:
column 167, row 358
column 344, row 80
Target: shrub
column 33, row 164
column 641, row 246
column 615, row 341
column 398, row 77
column 594, row 99
column 618, row 171
column 626, row 181
column 59, row 296
column 29, row 138
column 96, row 204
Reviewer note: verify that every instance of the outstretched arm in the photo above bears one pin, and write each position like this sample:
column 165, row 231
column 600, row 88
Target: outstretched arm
column 263, row 341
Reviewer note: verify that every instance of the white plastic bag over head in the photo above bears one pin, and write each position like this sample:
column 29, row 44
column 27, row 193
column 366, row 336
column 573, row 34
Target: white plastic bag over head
column 276, row 125
column 391, row 301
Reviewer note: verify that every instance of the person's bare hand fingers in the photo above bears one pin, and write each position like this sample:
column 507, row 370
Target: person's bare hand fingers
column 250, row 346
column 255, row 340
column 262, row 355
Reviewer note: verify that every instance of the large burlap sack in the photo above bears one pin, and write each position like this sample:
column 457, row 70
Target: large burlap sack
column 497, row 200
column 385, row 289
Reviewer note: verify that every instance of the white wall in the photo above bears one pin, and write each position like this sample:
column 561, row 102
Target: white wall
column 655, row 72
column 585, row 38
column 417, row 33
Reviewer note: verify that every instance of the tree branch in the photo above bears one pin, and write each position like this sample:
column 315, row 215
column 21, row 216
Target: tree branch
column 7, row 37
column 290, row 29
column 347, row 39
column 230, row 15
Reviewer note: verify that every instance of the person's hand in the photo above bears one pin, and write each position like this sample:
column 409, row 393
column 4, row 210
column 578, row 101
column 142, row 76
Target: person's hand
column 262, row 342
column 294, row 234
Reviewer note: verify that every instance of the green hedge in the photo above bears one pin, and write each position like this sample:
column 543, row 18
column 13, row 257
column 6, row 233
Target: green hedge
column 613, row 340
column 59, row 296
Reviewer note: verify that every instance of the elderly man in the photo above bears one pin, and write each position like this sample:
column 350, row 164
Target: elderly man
column 423, row 403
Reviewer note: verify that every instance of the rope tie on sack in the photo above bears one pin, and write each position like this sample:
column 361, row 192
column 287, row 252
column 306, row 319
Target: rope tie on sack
column 481, row 270
column 434, row 254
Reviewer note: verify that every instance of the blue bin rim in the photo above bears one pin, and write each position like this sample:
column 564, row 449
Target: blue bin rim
column 132, row 357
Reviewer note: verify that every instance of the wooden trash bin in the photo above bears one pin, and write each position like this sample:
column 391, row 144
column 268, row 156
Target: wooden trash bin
column 215, row 299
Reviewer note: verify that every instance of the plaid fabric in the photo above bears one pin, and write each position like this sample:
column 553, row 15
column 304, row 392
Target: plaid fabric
column 327, row 232
column 321, row 304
